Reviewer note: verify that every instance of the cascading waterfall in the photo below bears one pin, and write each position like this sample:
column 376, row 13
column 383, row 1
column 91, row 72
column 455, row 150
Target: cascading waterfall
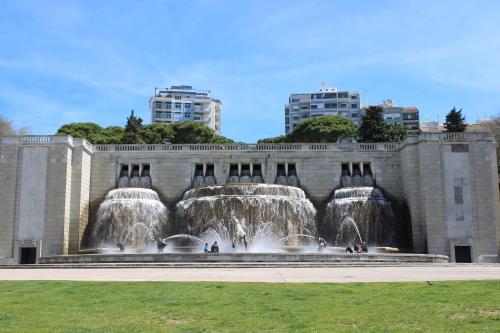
column 132, row 216
column 359, row 214
column 265, row 212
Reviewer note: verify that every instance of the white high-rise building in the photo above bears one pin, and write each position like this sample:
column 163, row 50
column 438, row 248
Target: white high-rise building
column 326, row 101
column 181, row 103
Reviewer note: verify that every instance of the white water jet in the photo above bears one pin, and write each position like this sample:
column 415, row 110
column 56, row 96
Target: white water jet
column 130, row 216
column 366, row 209
column 265, row 213
column 345, row 236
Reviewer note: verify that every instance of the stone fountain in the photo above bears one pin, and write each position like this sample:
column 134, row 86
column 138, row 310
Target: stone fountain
column 265, row 213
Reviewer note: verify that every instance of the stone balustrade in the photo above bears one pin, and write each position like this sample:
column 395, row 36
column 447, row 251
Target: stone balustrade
column 340, row 147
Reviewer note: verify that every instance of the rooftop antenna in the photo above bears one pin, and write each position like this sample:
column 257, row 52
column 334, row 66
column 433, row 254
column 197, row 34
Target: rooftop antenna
column 323, row 85
column 366, row 97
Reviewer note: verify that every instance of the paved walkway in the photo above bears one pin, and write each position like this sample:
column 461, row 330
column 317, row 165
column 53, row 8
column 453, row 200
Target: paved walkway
column 282, row 274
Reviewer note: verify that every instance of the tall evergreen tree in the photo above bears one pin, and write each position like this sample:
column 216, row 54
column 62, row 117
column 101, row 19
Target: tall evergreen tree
column 372, row 128
column 133, row 129
column 455, row 122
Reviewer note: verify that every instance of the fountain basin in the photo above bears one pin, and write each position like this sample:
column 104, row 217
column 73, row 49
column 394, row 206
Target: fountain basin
column 256, row 258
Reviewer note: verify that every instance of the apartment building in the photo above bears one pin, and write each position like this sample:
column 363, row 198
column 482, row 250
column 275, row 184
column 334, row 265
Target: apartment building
column 326, row 101
column 181, row 103
column 406, row 116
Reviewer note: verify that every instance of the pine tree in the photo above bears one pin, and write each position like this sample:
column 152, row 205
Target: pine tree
column 372, row 128
column 133, row 129
column 455, row 122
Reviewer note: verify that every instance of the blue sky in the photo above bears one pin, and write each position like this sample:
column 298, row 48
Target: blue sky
column 69, row 61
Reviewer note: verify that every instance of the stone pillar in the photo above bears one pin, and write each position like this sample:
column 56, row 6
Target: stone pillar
column 432, row 198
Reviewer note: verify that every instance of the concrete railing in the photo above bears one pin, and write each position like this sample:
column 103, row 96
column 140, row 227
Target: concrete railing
column 349, row 147
column 37, row 139
column 454, row 137
column 339, row 147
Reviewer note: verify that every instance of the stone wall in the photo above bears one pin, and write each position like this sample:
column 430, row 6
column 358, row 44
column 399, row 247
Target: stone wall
column 49, row 183
column 10, row 165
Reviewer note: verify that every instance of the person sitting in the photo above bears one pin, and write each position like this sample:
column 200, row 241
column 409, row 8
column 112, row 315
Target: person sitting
column 215, row 247
column 205, row 249
column 121, row 247
column 358, row 248
column 349, row 250
column 364, row 248
column 161, row 244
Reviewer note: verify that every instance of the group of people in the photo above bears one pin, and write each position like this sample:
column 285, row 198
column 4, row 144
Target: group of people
column 161, row 244
column 213, row 249
column 357, row 248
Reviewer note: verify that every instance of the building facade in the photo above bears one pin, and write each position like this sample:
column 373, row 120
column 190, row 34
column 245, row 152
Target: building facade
column 183, row 103
column 405, row 116
column 51, row 185
column 330, row 101
column 326, row 101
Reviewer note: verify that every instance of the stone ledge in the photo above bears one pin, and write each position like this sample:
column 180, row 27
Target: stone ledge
column 243, row 257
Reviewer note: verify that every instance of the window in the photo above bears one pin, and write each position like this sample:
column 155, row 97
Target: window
column 168, row 106
column 177, row 105
column 168, row 115
column 355, row 115
column 330, row 105
column 187, row 105
column 187, row 115
column 343, row 105
column 330, row 95
column 316, row 96
column 294, row 100
column 304, row 116
column 158, row 105
column 343, row 94
column 314, row 106
column 354, row 97
column 460, row 148
column 458, row 190
column 177, row 97
column 159, row 114
column 354, row 106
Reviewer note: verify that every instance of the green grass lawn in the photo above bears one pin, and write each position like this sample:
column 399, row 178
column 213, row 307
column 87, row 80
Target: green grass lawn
column 249, row 307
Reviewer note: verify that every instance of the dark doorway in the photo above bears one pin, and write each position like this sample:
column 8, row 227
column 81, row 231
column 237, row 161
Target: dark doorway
column 28, row 255
column 462, row 254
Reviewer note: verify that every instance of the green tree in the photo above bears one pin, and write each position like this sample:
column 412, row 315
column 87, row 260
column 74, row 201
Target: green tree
column 277, row 139
column 220, row 139
column 133, row 129
column 455, row 122
column 372, row 128
column 192, row 132
column 88, row 131
column 157, row 133
column 322, row 129
column 394, row 132
column 112, row 135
